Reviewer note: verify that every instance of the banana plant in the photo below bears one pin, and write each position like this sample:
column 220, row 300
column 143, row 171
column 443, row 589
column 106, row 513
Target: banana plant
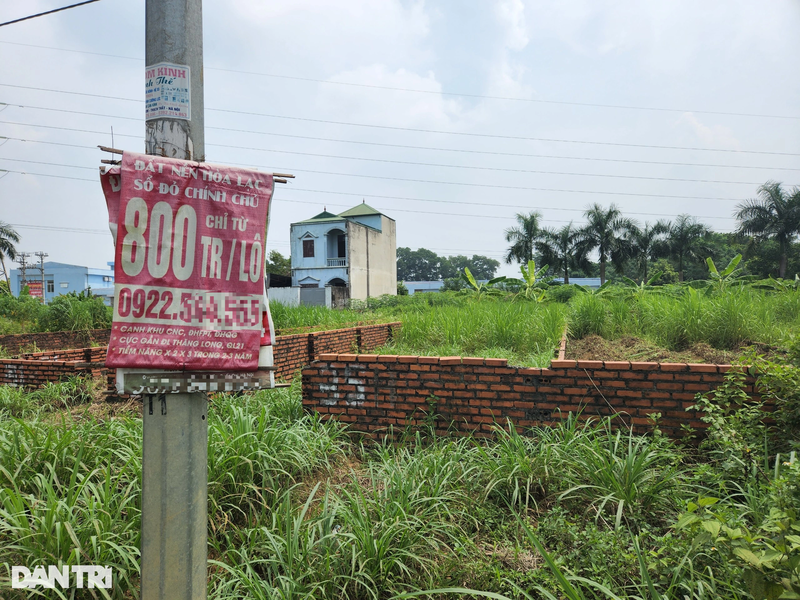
column 481, row 289
column 722, row 279
column 533, row 284
column 640, row 289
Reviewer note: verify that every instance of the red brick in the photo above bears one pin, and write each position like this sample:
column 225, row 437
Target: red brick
column 429, row 360
column 617, row 365
column 367, row 358
column 644, row 366
column 496, row 362
column 590, row 364
column 387, row 358
column 328, row 356
column 633, row 375
column 407, row 359
column 563, row 364
column 449, row 360
column 702, row 368
column 471, row 360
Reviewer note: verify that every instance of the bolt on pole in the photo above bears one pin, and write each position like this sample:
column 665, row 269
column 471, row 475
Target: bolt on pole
column 175, row 426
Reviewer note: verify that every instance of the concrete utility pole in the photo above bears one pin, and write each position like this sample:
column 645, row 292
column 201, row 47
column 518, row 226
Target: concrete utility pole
column 175, row 437
column 42, row 256
column 175, row 35
column 23, row 269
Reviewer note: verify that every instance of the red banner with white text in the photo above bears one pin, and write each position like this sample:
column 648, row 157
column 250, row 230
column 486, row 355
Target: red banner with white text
column 189, row 264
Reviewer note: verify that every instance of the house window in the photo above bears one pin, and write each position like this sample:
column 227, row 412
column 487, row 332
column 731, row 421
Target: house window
column 309, row 285
column 51, row 287
column 308, row 248
column 341, row 247
column 63, row 284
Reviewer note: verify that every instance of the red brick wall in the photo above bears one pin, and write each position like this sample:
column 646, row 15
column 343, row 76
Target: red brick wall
column 35, row 373
column 373, row 392
column 293, row 352
column 56, row 340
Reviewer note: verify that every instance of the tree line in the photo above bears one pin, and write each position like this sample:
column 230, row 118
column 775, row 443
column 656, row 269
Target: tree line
column 426, row 265
column 767, row 228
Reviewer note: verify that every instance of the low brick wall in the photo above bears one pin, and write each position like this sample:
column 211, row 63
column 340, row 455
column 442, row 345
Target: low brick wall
column 32, row 374
column 57, row 340
column 468, row 395
column 293, row 352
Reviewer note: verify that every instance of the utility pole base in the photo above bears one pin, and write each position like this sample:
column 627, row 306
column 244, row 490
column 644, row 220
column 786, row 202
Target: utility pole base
column 174, row 497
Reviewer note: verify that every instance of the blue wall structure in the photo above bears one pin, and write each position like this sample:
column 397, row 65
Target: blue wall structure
column 61, row 278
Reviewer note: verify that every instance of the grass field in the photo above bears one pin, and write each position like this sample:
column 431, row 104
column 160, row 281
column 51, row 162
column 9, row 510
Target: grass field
column 527, row 333
column 298, row 509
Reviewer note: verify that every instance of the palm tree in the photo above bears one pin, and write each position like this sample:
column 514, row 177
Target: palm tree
column 685, row 240
column 646, row 244
column 774, row 215
column 606, row 231
column 523, row 238
column 8, row 237
column 557, row 248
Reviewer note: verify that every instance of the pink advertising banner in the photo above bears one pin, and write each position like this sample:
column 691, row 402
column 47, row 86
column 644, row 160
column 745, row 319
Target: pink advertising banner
column 189, row 264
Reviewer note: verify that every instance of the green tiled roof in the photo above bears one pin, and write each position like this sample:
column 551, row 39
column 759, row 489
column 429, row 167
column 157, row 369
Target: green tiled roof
column 322, row 217
column 360, row 210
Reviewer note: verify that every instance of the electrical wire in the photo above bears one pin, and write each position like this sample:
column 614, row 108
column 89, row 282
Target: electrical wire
column 395, row 209
column 436, row 92
column 434, row 131
column 48, row 12
column 432, row 148
column 416, row 163
column 489, row 185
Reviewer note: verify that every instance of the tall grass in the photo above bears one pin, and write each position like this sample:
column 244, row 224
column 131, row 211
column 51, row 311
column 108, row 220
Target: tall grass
column 296, row 510
column 524, row 332
column 725, row 319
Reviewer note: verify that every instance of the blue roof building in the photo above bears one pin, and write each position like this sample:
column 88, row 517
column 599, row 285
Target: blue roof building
column 61, row 278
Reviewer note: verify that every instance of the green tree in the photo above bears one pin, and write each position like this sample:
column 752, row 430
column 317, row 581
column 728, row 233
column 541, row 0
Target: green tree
column 559, row 249
column 606, row 231
column 523, row 238
column 278, row 264
column 418, row 265
column 774, row 215
column 481, row 267
column 8, row 238
column 646, row 245
column 686, row 241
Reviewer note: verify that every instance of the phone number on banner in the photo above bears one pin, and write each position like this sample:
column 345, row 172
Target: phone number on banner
column 175, row 306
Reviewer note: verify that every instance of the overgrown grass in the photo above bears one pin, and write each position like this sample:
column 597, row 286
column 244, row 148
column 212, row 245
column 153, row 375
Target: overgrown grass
column 525, row 333
column 298, row 510
column 680, row 317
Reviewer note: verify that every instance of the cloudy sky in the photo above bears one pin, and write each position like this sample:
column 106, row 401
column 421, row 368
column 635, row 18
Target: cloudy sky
column 448, row 116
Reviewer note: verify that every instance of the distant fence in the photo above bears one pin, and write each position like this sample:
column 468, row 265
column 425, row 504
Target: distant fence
column 56, row 340
column 292, row 353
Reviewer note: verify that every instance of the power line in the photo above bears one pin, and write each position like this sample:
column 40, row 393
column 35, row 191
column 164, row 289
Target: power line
column 49, row 12
column 435, row 131
column 432, row 148
column 384, row 197
column 437, row 92
column 492, row 185
column 418, row 164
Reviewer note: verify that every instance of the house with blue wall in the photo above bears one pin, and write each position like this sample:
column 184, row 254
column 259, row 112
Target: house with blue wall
column 355, row 250
column 62, row 278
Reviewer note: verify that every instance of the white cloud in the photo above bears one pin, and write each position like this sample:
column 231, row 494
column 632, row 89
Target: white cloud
column 715, row 136
column 395, row 108
column 511, row 13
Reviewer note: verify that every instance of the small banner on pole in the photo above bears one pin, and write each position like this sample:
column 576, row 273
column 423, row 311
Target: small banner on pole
column 189, row 265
